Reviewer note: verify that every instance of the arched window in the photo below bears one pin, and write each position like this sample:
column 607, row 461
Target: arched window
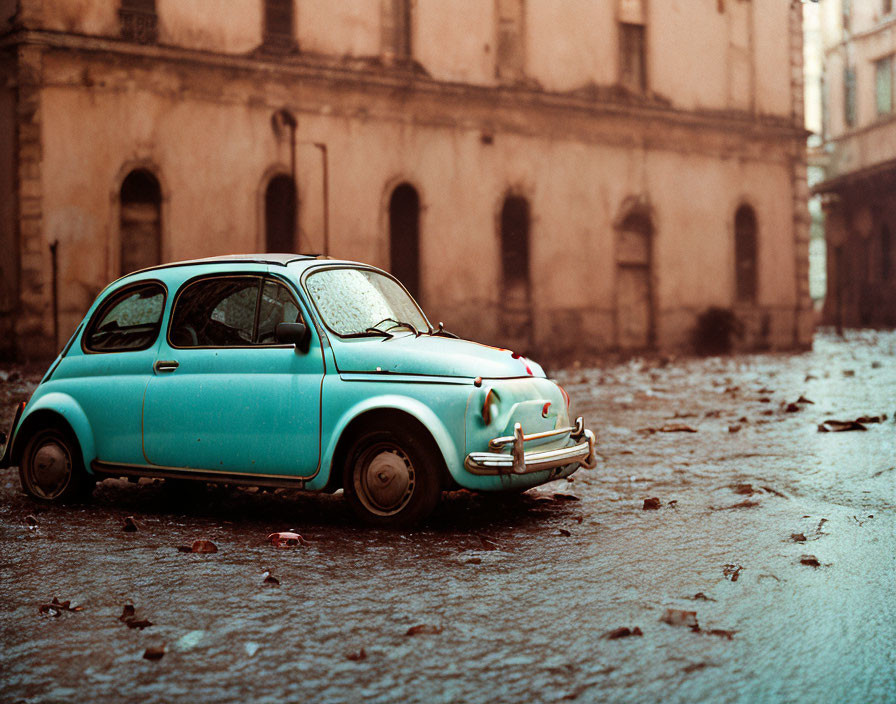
column 404, row 237
column 141, row 222
column 745, row 255
column 516, row 322
column 280, row 214
column 634, row 286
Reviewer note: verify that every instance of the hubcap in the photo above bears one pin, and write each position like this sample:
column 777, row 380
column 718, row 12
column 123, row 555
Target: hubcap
column 384, row 479
column 50, row 469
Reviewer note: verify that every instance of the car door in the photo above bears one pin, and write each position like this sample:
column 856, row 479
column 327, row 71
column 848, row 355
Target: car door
column 225, row 396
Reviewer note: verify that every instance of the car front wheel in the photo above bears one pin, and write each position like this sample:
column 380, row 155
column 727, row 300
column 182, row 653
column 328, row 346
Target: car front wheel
column 390, row 479
column 51, row 468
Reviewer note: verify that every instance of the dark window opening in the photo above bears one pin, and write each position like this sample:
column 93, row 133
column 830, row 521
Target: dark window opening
column 745, row 254
column 278, row 24
column 139, row 22
column 404, row 237
column 632, row 57
column 397, row 30
column 280, row 214
column 887, row 6
column 129, row 320
column 141, row 227
column 886, row 254
column 516, row 287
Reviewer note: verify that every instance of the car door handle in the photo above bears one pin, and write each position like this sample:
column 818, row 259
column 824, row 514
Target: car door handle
column 165, row 365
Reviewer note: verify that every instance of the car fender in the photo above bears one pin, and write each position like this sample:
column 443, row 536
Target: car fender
column 411, row 406
column 70, row 410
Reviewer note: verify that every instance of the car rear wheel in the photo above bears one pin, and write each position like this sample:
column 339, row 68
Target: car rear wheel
column 390, row 478
column 52, row 469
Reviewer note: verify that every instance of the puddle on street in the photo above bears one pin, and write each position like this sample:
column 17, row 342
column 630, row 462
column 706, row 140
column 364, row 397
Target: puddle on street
column 781, row 539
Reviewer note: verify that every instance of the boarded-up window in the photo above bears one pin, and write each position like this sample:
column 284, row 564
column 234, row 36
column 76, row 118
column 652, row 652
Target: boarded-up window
column 849, row 96
column 634, row 289
column 397, row 29
column 139, row 22
column 141, row 227
column 632, row 57
column 510, row 57
column 745, row 254
column 883, row 85
column 278, row 24
column 516, row 289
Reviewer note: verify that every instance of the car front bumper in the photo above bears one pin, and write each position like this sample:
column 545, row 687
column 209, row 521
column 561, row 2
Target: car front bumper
column 518, row 461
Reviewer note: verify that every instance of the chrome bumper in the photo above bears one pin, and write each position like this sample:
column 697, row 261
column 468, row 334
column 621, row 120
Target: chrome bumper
column 518, row 461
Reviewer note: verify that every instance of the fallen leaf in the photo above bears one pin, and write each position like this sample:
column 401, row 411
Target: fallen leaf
column 871, row 419
column 700, row 596
column 810, row 560
column 565, row 532
column 678, row 617
column 203, row 546
column 651, row 504
column 623, row 632
column 474, row 561
column 31, row 520
column 271, row 580
column 360, row 655
column 677, row 428
column 155, row 652
column 130, row 525
column 141, row 624
column 424, row 629
column 792, row 408
column 798, row 537
column 743, row 504
column 56, row 607
column 849, row 372
column 733, row 428
column 732, row 572
column 803, row 399
column 722, row 633
column 745, row 489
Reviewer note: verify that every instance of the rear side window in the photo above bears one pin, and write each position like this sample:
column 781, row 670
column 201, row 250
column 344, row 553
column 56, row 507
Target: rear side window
column 128, row 320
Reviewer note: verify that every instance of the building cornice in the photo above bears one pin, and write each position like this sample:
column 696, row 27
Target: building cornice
column 370, row 74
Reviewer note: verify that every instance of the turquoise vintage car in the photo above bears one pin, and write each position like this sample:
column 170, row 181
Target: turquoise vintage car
column 289, row 371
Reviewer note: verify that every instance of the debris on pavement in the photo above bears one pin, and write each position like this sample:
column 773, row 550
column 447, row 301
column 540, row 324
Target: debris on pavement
column 798, row 537
column 154, row 652
column 651, row 504
column 700, row 596
column 840, row 426
column 286, row 539
column 270, row 580
column 810, row 560
column 56, row 607
column 130, row 525
column 488, row 544
column 30, row 521
column 199, row 546
column 622, row 632
column 357, row 656
column 677, row 428
column 729, row 635
column 566, row 497
column 129, row 618
column 565, row 533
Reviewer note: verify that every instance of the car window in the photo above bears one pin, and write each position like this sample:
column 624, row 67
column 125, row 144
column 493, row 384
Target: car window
column 127, row 320
column 352, row 300
column 277, row 306
column 221, row 312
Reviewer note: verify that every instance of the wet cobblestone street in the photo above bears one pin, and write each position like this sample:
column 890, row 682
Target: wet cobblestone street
column 721, row 491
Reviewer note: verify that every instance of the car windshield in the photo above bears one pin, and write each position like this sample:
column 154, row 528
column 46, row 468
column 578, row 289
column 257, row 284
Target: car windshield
column 361, row 302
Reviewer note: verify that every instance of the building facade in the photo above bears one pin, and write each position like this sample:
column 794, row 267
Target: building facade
column 560, row 178
column 859, row 190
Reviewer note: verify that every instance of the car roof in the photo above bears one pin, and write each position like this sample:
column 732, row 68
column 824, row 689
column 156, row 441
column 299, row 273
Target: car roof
column 266, row 258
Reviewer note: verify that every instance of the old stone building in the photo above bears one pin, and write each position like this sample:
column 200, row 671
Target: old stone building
column 558, row 177
column 859, row 190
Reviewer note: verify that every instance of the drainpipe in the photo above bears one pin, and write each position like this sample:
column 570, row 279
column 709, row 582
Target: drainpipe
column 326, row 195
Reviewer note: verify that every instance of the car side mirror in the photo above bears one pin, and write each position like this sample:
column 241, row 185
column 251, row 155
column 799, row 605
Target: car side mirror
column 296, row 334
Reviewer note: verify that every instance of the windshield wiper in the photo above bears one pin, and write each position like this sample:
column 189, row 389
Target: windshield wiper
column 398, row 324
column 442, row 332
column 377, row 331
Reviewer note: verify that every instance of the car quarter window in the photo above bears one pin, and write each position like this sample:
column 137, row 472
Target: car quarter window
column 227, row 311
column 128, row 320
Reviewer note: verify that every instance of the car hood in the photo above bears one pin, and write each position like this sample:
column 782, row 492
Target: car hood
column 430, row 355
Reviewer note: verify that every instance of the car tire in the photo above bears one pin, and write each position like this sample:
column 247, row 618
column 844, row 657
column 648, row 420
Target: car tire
column 390, row 478
column 52, row 468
